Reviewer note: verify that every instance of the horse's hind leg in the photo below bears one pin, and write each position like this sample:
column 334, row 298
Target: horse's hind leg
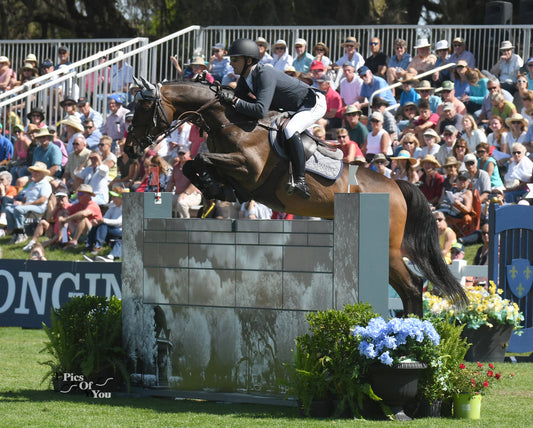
column 406, row 284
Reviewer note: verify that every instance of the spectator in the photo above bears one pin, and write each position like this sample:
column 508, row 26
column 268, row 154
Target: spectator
column 410, row 144
column 517, row 134
column 529, row 72
column 47, row 153
column 115, row 124
column 198, row 66
column 69, row 87
column 527, row 108
column 493, row 86
column 349, row 148
column 160, row 174
column 80, row 217
column 333, row 116
column 408, row 92
column 76, row 159
column 508, row 67
column 459, row 151
column 108, row 158
column 482, row 253
column 321, row 53
column 432, row 181
column 21, row 145
column 7, row 196
column 36, row 116
column 397, row 67
column 389, row 123
column 443, row 57
column 186, row 195
column 356, row 130
column 424, row 60
column 518, row 174
column 460, row 82
column 47, row 67
column 426, row 92
column 502, row 107
column 219, row 64
column 471, row 133
column 451, row 166
column 59, row 143
column 449, row 135
column 378, row 141
column 380, row 162
column 128, row 170
column 499, row 133
column 87, row 112
column 461, row 54
column 96, row 176
column 407, row 118
column 63, row 54
column 121, row 74
column 74, row 128
column 480, row 179
column 32, row 199
column 181, row 135
column 371, row 84
column 457, row 252
column 6, row 148
column 69, row 106
column 303, row 59
column 448, row 96
column 38, row 253
column 425, row 120
column 92, row 134
column 457, row 202
column 281, row 58
column 521, row 89
column 449, row 116
column 487, row 163
column 255, row 211
column 318, row 71
column 8, row 77
column 403, row 167
column 350, row 85
column 477, row 92
column 377, row 61
column 350, row 46
column 264, row 56
column 27, row 73
column 108, row 227
column 54, row 233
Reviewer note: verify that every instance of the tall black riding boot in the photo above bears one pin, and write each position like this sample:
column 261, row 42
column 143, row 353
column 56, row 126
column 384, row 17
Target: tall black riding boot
column 297, row 154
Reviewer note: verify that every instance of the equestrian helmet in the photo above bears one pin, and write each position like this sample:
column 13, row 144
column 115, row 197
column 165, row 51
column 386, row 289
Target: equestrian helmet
column 244, row 47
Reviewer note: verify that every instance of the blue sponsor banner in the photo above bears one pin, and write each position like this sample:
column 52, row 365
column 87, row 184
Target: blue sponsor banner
column 29, row 289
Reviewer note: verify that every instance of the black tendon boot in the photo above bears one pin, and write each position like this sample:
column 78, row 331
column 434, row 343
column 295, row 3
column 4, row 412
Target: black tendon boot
column 296, row 152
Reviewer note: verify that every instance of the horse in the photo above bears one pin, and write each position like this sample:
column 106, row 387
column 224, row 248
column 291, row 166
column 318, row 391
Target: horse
column 242, row 164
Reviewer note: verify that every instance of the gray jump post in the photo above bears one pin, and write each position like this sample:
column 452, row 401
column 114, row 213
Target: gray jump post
column 213, row 306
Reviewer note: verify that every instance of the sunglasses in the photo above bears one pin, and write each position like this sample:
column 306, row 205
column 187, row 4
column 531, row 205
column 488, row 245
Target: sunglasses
column 408, row 142
column 75, row 144
column 320, row 49
column 516, row 123
column 342, row 136
column 459, row 66
column 373, row 43
column 447, row 134
column 69, row 104
column 530, row 65
column 380, row 162
column 470, row 163
column 461, row 147
column 410, row 109
column 280, row 48
column 349, row 46
column 480, row 152
column 102, row 144
column 526, row 99
column 88, row 127
column 517, row 153
column 457, row 45
column 491, row 88
column 439, row 219
column 374, row 121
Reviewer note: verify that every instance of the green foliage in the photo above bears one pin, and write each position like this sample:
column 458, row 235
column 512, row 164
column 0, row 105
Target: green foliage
column 326, row 361
column 85, row 337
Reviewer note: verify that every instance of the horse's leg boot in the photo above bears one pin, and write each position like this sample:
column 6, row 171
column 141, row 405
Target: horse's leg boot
column 297, row 154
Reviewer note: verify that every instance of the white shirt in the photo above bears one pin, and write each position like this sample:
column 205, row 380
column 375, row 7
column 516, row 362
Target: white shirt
column 97, row 178
column 350, row 91
column 182, row 138
column 281, row 63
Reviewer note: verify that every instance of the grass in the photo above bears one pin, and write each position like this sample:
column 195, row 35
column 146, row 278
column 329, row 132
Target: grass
column 26, row 402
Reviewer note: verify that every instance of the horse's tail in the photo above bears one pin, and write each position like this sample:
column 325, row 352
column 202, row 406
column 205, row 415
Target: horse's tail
column 421, row 245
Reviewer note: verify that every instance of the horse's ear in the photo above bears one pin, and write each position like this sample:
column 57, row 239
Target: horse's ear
column 138, row 83
column 147, row 84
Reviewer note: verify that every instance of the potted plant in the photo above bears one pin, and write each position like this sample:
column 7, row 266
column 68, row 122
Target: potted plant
column 397, row 352
column 469, row 383
column 489, row 320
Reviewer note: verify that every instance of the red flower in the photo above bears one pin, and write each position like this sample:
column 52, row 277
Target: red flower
column 473, row 382
column 486, row 384
column 498, row 376
column 479, row 364
column 491, row 365
column 462, row 366
column 490, row 373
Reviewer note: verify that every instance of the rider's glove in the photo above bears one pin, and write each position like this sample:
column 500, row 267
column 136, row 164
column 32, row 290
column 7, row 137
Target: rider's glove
column 225, row 96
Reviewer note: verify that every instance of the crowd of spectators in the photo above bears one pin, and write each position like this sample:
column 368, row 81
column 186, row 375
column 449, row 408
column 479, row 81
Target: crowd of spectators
column 458, row 133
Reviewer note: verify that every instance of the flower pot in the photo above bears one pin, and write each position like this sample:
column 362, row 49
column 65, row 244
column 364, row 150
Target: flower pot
column 396, row 385
column 467, row 406
column 488, row 343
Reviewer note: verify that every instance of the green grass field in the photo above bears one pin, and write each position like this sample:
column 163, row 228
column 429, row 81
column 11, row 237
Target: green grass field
column 26, row 402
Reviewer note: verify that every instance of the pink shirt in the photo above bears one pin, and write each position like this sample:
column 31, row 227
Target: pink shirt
column 334, row 101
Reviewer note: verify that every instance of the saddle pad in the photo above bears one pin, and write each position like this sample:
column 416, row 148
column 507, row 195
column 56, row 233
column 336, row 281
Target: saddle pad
column 324, row 166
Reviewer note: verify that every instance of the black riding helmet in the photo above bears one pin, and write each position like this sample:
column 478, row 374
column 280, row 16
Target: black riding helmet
column 245, row 47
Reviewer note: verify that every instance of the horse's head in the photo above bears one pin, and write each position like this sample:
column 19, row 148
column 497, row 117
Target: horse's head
column 150, row 119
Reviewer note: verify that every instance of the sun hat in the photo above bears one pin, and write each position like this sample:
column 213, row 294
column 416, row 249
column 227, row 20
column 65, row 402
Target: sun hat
column 422, row 43
column 516, row 117
column 197, row 61
column 425, row 85
column 432, row 159
column 359, row 160
column 67, row 99
column 29, row 66
column 458, row 40
column 350, row 41
column 506, row 45
column 31, row 58
column 4, row 58
column 300, row 42
column 451, row 161
column 379, row 101
column 441, row 45
column 39, row 167
column 44, row 132
column 404, row 154
column 261, row 41
column 323, row 46
column 73, row 121
column 380, row 157
column 18, row 128
column 461, row 62
column 352, row 109
column 280, row 42
column 37, row 110
column 410, row 104
column 86, row 188
column 377, row 116
column 432, row 133
column 32, row 128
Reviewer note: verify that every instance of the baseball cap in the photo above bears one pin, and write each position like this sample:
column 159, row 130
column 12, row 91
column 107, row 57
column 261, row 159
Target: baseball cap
column 470, row 157
column 451, row 128
column 317, row 65
column 447, row 106
column 447, row 85
column 363, row 70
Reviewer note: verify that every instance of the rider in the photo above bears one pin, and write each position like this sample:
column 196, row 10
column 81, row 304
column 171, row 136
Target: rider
column 262, row 88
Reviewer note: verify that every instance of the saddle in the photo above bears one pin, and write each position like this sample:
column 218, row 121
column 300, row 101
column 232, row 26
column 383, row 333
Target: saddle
column 321, row 158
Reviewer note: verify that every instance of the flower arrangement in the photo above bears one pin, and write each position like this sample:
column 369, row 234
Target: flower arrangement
column 486, row 307
column 474, row 379
column 398, row 340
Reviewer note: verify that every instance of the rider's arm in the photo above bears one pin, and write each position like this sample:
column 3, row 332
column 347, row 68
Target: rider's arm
column 266, row 85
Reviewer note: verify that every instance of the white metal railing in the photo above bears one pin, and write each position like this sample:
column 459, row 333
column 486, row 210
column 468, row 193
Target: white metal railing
column 461, row 269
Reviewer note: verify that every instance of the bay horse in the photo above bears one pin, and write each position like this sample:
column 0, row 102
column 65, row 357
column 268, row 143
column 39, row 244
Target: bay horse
column 242, row 163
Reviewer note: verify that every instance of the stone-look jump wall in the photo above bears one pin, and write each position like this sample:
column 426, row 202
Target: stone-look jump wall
column 216, row 304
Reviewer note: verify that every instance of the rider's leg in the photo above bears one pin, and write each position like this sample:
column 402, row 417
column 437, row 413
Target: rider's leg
column 296, row 152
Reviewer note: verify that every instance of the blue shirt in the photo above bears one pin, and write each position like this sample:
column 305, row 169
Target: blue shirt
column 6, row 148
column 302, row 64
column 412, row 96
column 50, row 156
column 35, row 190
column 220, row 68
column 434, row 103
column 461, row 88
column 394, row 63
column 378, row 83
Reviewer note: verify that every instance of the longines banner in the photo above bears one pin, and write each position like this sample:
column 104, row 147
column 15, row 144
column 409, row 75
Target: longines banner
column 28, row 289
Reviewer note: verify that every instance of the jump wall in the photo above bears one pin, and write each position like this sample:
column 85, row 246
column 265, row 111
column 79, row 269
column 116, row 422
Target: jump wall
column 216, row 304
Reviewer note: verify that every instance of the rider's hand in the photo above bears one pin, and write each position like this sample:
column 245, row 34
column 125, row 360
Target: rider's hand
column 225, row 96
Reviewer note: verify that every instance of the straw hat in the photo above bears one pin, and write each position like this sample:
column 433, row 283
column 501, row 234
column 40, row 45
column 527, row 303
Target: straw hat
column 39, row 167
column 280, row 42
column 442, row 45
column 86, row 188
column 261, row 41
column 506, row 45
column 432, row 133
column 424, row 85
column 321, row 45
column 380, row 157
column 351, row 41
column 197, row 61
column 5, row 59
column 73, row 121
column 31, row 58
column 44, row 132
column 451, row 161
column 432, row 159
column 516, row 117
column 404, row 154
